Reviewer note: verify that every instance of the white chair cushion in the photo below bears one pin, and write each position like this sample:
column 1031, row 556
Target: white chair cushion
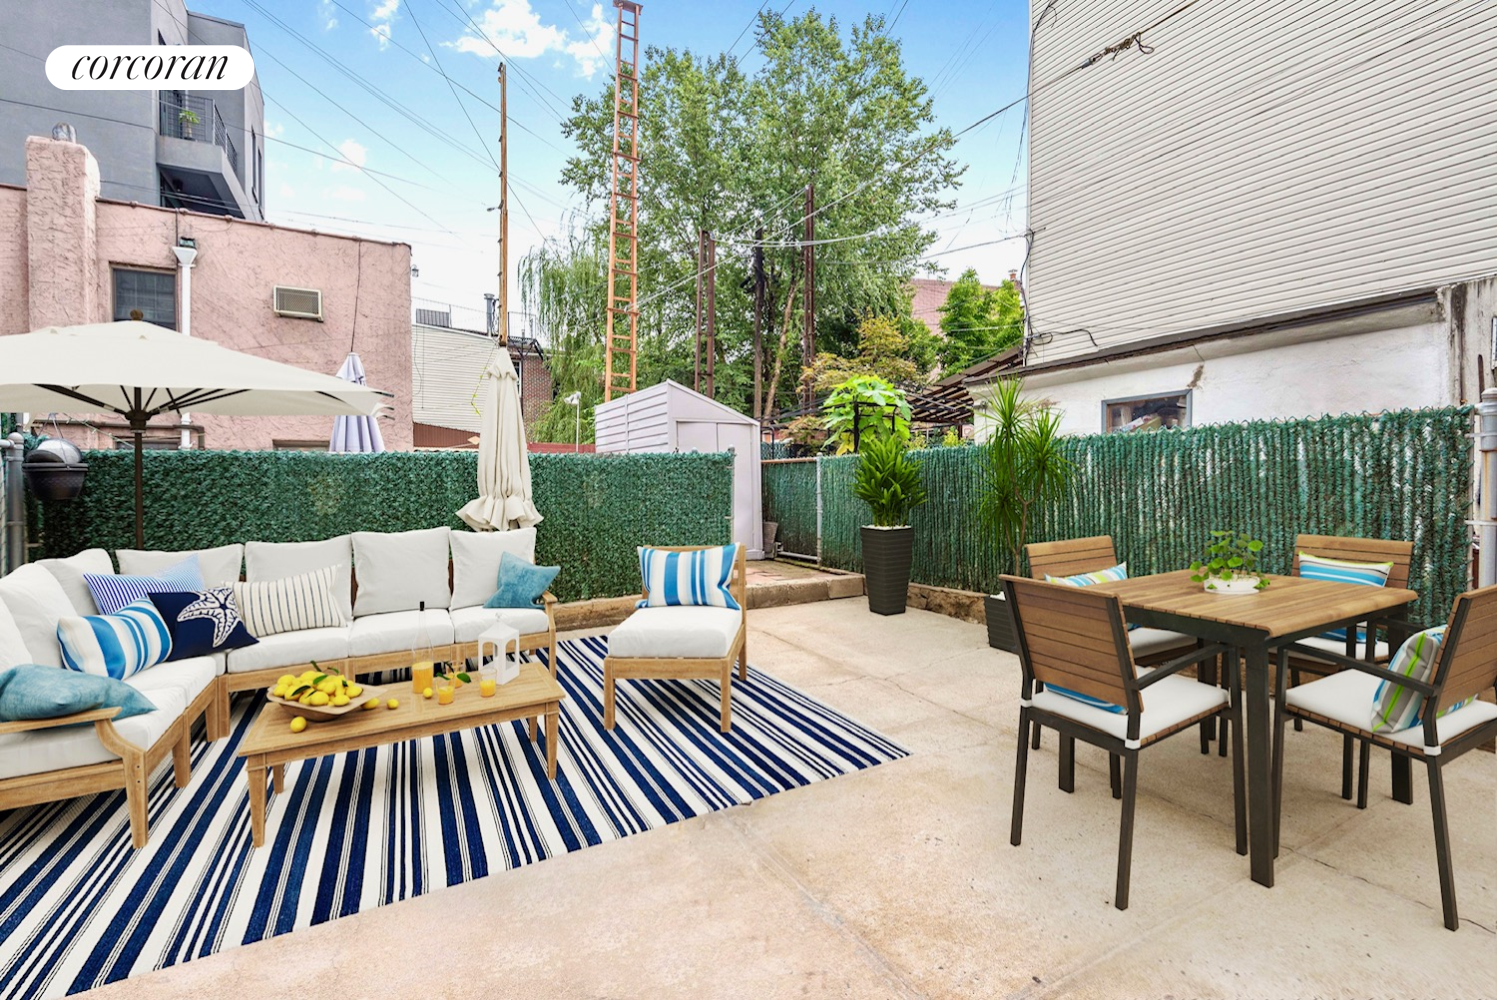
column 469, row 623
column 188, row 677
column 1166, row 703
column 278, row 560
column 1148, row 641
column 69, row 573
column 220, row 566
column 395, row 632
column 1346, row 697
column 42, row 750
column 475, row 562
column 697, row 633
column 1338, row 646
column 399, row 570
column 37, row 602
column 289, row 649
column 13, row 650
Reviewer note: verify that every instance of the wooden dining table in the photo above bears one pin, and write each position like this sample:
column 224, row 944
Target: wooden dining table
column 1290, row 608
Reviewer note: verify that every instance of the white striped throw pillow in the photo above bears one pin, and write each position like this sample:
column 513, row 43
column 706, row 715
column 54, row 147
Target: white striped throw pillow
column 289, row 605
column 117, row 645
column 698, row 578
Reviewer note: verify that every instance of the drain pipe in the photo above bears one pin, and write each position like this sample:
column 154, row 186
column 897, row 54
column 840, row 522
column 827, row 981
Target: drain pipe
column 187, row 253
column 1486, row 443
column 12, row 452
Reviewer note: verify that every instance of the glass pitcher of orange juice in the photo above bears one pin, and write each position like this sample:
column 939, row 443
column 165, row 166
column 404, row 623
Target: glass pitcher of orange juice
column 423, row 657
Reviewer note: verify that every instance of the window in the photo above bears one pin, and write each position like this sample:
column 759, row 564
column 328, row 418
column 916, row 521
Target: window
column 1146, row 413
column 152, row 294
column 298, row 444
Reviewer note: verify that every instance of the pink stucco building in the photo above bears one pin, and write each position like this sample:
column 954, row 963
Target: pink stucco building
column 67, row 256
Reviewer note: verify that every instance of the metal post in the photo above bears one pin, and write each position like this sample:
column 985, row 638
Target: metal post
column 818, row 510
column 1486, row 443
column 14, row 451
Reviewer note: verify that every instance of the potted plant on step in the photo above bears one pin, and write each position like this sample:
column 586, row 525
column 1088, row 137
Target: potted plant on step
column 1230, row 564
column 1024, row 468
column 888, row 480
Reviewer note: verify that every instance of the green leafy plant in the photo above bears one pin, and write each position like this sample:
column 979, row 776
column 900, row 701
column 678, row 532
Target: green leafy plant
column 1024, row 467
column 807, row 432
column 188, row 117
column 1232, row 555
column 874, row 407
column 888, row 480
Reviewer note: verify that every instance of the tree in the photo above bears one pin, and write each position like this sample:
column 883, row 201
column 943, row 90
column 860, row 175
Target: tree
column 883, row 352
column 731, row 152
column 979, row 322
column 562, row 284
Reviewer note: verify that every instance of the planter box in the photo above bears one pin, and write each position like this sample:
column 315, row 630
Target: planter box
column 887, row 553
column 1001, row 632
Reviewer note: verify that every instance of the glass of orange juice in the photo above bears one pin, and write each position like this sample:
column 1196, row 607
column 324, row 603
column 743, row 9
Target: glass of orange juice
column 446, row 688
column 421, row 675
column 488, row 680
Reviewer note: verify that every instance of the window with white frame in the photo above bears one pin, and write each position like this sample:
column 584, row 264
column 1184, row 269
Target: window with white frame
column 147, row 295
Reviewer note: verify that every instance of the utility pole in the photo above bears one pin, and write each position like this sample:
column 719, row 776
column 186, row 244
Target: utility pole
column 808, row 333
column 706, row 342
column 696, row 367
column 758, row 321
column 503, row 304
column 711, row 246
column 620, row 348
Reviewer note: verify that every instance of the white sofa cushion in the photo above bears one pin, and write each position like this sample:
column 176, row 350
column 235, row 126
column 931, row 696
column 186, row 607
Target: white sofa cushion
column 475, row 562
column 677, row 631
column 1347, row 697
column 469, row 623
column 220, row 566
column 13, row 650
column 187, row 677
column 69, row 573
column 395, row 632
column 399, row 570
column 37, row 602
column 278, row 560
column 1167, row 703
column 1338, row 646
column 290, row 649
column 43, row 750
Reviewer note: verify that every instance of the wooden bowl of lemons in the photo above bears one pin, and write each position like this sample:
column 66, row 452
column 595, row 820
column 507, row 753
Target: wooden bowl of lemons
column 323, row 694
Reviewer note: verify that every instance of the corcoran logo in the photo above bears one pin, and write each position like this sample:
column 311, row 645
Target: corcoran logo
column 150, row 67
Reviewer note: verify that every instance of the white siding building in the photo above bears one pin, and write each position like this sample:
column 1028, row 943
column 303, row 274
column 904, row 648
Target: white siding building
column 1268, row 208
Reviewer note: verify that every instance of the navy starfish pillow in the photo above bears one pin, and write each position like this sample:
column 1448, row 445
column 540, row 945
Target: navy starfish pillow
column 202, row 622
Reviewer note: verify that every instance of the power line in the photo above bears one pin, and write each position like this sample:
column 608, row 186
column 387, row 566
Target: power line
column 411, row 10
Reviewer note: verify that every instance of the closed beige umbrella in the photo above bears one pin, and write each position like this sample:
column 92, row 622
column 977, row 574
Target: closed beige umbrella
column 504, row 499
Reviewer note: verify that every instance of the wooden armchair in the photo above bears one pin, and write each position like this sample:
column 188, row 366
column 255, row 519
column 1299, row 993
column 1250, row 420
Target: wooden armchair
column 1466, row 666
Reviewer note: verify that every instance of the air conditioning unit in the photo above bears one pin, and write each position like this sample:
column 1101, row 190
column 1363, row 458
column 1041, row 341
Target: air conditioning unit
column 434, row 317
column 298, row 303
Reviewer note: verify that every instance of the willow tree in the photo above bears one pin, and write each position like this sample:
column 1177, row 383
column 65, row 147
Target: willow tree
column 563, row 284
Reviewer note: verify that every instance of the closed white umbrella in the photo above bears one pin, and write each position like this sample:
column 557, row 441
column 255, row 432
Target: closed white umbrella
column 504, row 499
column 355, row 435
column 139, row 370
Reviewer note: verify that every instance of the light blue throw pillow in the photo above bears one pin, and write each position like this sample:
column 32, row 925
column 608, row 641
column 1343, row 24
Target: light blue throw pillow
column 1341, row 571
column 111, row 592
column 116, row 645
column 521, row 583
column 30, row 692
column 698, row 578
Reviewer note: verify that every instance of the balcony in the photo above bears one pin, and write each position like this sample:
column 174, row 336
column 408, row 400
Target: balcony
column 184, row 116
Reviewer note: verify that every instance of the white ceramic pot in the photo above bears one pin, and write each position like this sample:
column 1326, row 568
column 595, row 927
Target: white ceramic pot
column 1238, row 585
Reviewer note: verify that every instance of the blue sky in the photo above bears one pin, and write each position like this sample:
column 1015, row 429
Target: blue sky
column 399, row 124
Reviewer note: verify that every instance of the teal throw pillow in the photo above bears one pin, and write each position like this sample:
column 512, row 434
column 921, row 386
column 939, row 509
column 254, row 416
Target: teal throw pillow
column 31, row 692
column 521, row 583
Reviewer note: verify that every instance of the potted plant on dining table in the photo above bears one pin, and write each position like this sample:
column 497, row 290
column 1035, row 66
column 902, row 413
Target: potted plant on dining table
column 1230, row 564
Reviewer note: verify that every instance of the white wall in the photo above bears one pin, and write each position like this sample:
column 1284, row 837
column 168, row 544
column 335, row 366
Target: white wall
column 1284, row 376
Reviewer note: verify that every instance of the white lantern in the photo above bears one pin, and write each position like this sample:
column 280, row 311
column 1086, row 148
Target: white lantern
column 497, row 639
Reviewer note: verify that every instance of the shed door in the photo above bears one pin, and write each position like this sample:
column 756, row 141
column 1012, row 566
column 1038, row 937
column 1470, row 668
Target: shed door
column 697, row 435
column 741, row 439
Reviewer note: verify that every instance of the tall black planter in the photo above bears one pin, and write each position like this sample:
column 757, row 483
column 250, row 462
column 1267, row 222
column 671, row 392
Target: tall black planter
column 886, row 567
column 1001, row 632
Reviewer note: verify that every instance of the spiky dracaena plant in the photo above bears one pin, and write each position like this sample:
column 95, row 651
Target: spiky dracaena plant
column 1025, row 467
column 888, row 480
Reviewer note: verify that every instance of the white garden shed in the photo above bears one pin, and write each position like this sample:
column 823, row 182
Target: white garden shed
column 671, row 417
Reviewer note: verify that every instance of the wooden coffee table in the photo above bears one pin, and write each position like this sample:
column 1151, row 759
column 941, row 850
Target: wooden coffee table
column 271, row 744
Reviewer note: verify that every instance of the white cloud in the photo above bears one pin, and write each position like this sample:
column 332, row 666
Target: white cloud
column 354, row 153
column 344, row 192
column 275, row 129
column 514, row 27
column 382, row 17
column 327, row 13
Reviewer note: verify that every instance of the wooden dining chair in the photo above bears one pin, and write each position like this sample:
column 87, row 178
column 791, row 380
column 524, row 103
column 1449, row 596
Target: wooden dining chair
column 1466, row 666
column 1075, row 639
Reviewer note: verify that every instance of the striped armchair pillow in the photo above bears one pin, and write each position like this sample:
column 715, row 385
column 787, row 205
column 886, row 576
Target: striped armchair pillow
column 1395, row 708
column 115, row 645
column 698, row 578
column 1342, row 571
column 113, row 591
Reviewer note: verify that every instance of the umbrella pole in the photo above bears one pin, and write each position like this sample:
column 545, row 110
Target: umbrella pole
column 140, row 519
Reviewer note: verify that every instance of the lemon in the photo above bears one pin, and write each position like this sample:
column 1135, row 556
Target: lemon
column 327, row 685
column 339, row 700
column 285, row 680
column 319, row 699
column 426, row 692
column 308, row 676
column 298, row 724
column 354, row 690
column 371, row 703
column 306, row 699
column 393, row 703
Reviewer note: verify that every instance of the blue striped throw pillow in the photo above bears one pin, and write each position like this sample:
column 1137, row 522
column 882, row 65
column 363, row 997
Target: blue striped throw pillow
column 117, row 645
column 111, row 592
column 1394, row 707
column 698, row 578
column 1118, row 572
column 1341, row 571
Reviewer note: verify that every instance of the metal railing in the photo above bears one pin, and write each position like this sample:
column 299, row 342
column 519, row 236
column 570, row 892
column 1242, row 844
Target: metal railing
column 185, row 116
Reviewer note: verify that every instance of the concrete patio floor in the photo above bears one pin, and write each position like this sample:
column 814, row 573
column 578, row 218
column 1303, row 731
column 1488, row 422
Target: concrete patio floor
column 900, row 881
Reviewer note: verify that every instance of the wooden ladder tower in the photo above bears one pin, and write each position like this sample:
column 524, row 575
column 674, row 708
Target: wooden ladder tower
column 621, row 341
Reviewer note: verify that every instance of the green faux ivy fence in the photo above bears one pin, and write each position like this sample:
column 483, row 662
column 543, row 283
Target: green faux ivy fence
column 1404, row 475
column 597, row 508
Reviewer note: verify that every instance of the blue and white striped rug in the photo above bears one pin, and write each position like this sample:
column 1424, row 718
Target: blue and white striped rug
column 79, row 907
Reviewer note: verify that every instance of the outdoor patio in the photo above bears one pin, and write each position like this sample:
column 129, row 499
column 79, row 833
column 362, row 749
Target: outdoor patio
column 899, row 880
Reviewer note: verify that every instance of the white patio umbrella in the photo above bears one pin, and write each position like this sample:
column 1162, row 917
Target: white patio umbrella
column 139, row 370
column 504, row 498
column 355, row 435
